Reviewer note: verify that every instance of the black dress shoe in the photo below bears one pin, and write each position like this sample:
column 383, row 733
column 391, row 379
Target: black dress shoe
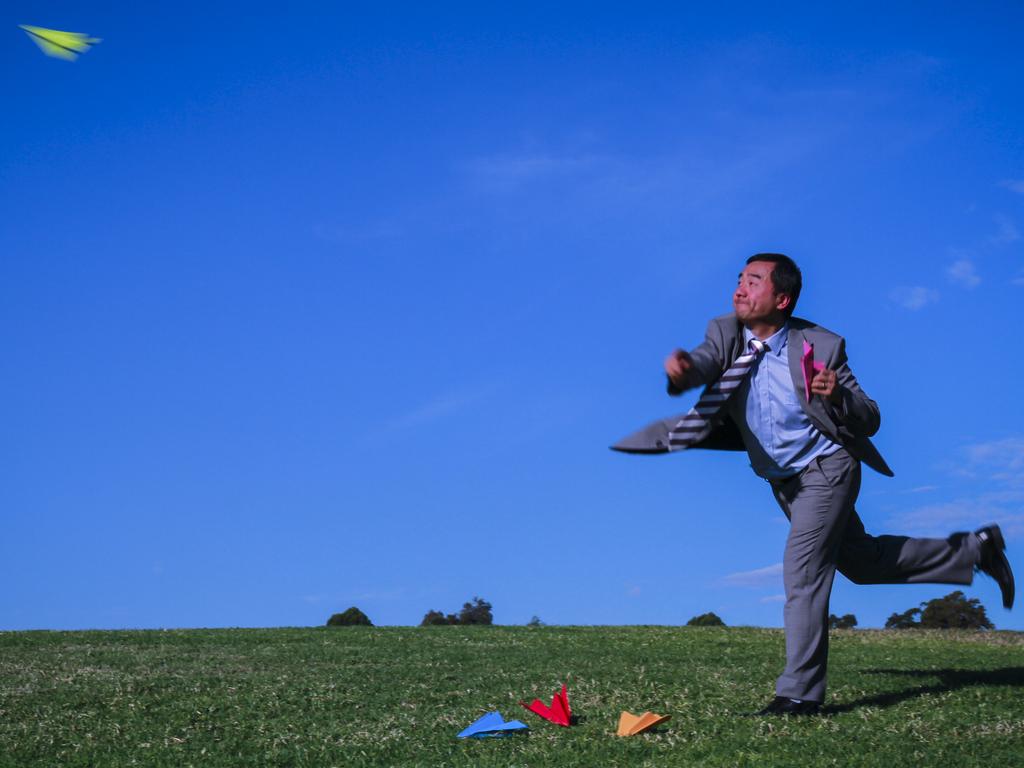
column 783, row 705
column 994, row 562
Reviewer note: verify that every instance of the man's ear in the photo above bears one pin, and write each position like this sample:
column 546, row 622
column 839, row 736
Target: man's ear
column 782, row 301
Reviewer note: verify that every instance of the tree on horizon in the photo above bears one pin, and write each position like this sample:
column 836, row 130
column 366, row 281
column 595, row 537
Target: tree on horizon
column 954, row 611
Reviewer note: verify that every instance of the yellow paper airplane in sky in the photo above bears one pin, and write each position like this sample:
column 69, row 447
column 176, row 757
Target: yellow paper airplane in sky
column 63, row 45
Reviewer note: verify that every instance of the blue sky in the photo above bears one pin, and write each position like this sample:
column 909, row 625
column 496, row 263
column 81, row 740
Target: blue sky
column 304, row 308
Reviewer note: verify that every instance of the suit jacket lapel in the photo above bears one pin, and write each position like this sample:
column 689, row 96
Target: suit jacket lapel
column 794, row 353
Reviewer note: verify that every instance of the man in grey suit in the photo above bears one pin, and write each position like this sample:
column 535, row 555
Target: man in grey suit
column 806, row 425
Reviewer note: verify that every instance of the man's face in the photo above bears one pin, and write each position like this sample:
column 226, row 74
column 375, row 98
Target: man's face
column 755, row 299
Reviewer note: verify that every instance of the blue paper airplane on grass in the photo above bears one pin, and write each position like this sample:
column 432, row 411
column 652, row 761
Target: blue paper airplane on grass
column 492, row 724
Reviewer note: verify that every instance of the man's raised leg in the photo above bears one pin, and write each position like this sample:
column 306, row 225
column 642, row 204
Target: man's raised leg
column 866, row 559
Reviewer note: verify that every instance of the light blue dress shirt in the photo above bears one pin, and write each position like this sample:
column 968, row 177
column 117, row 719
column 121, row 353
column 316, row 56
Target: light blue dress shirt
column 779, row 437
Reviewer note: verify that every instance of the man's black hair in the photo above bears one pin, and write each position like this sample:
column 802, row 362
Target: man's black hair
column 786, row 276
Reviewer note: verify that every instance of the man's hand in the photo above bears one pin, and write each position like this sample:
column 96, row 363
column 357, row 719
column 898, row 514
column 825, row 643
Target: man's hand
column 825, row 384
column 676, row 366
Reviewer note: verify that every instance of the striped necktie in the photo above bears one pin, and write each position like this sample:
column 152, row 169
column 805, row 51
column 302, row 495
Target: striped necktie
column 696, row 424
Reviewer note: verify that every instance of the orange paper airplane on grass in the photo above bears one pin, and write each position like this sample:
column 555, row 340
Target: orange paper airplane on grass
column 558, row 713
column 631, row 725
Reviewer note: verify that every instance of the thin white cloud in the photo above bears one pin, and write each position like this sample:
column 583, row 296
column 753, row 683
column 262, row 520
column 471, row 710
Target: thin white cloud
column 1019, row 278
column 996, row 467
column 1006, row 230
column 962, row 272
column 668, row 181
column 438, row 408
column 965, row 514
column 914, row 297
column 511, row 170
column 779, row 598
column 769, row 575
column 1014, row 185
column 1002, row 450
column 1000, row 460
column 430, row 411
column 677, row 179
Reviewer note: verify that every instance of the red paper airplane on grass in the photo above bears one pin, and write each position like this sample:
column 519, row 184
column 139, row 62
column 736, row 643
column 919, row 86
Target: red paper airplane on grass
column 558, row 713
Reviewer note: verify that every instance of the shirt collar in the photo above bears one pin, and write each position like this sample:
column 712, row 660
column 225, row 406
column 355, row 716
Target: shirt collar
column 776, row 342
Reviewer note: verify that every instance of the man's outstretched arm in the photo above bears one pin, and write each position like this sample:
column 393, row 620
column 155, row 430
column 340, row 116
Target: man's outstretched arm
column 698, row 367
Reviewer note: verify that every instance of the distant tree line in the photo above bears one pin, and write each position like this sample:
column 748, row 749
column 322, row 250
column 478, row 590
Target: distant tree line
column 846, row 621
column 353, row 617
column 954, row 611
column 476, row 612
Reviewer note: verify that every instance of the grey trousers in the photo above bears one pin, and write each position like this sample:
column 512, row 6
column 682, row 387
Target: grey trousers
column 826, row 533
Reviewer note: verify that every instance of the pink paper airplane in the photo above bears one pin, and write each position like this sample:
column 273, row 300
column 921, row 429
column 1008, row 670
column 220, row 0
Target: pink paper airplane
column 809, row 367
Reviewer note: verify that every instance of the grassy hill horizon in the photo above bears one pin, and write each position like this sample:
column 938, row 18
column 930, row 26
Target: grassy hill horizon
column 382, row 696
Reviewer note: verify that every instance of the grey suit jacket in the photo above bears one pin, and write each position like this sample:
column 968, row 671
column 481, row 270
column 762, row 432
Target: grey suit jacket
column 850, row 423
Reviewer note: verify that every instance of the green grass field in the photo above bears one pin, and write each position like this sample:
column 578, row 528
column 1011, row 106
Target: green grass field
column 397, row 696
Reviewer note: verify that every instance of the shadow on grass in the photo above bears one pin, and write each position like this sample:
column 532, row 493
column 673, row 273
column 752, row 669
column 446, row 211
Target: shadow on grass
column 948, row 680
